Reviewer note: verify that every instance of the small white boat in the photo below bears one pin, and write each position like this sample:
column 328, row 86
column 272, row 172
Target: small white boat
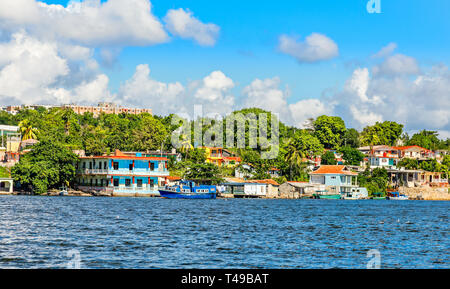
column 63, row 191
column 396, row 196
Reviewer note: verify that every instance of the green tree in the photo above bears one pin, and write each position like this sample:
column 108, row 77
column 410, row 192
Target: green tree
column 27, row 130
column 149, row 134
column 48, row 165
column 203, row 173
column 351, row 156
column 426, row 139
column 375, row 181
column 328, row 158
column 329, row 130
column 299, row 147
column 382, row 133
column 408, row 163
column 351, row 138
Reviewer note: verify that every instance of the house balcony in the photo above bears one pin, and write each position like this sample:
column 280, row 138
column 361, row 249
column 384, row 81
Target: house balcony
column 135, row 172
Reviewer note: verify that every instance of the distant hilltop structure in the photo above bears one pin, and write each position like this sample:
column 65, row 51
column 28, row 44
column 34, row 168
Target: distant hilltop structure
column 105, row 107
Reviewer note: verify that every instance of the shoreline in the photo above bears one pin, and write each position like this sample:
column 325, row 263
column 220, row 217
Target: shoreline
column 137, row 195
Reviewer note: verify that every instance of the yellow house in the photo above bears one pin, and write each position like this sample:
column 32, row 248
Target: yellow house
column 221, row 157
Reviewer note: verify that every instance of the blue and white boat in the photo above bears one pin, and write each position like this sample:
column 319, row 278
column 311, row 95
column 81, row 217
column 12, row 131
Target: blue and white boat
column 188, row 190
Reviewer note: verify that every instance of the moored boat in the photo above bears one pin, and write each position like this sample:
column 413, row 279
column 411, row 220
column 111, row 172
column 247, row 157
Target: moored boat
column 326, row 195
column 396, row 196
column 188, row 190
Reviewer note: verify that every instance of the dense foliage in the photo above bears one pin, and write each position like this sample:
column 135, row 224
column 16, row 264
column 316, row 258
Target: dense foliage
column 61, row 130
column 375, row 181
column 48, row 165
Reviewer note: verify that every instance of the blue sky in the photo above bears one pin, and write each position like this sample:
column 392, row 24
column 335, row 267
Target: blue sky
column 246, row 65
column 247, row 45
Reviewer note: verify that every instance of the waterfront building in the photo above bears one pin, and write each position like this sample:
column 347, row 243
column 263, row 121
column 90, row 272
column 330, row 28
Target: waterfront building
column 6, row 186
column 121, row 174
column 239, row 188
column 337, row 179
column 221, row 157
column 296, row 190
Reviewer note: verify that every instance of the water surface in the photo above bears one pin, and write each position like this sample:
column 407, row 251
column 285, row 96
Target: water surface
column 39, row 232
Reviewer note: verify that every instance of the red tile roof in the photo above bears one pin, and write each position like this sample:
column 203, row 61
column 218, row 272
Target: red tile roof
column 414, row 146
column 266, row 181
column 329, row 169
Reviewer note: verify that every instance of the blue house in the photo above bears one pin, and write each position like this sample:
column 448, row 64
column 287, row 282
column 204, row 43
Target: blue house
column 336, row 179
column 122, row 174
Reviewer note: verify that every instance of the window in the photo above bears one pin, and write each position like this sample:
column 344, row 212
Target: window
column 127, row 182
column 152, row 166
column 130, row 167
column 105, row 166
column 84, row 165
column 116, row 182
column 139, row 183
column 152, row 182
column 90, row 165
column 116, row 165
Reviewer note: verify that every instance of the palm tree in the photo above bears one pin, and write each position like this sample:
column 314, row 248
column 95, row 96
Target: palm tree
column 66, row 116
column 27, row 130
column 370, row 137
column 293, row 156
column 186, row 145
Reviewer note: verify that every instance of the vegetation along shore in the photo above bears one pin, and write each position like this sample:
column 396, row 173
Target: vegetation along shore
column 59, row 151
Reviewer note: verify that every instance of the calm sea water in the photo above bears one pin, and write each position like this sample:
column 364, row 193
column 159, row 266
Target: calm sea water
column 42, row 232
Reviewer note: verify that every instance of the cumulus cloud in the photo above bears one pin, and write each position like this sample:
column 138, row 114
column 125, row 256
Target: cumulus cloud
column 397, row 64
column 267, row 94
column 316, row 47
column 182, row 23
column 213, row 92
column 305, row 109
column 45, row 72
column 418, row 103
column 48, row 52
column 90, row 22
column 142, row 90
column 385, row 51
column 28, row 66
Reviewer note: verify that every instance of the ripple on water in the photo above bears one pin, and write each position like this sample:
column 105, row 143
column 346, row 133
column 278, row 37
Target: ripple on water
column 38, row 232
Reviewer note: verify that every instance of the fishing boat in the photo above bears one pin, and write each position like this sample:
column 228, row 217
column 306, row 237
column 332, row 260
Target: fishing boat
column 355, row 194
column 63, row 191
column 326, row 195
column 396, row 196
column 188, row 190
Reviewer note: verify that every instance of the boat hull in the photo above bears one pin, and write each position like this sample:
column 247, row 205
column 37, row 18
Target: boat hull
column 178, row 195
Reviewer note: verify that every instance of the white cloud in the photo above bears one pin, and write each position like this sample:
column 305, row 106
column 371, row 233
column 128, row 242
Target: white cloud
column 182, row 23
column 397, row 64
column 89, row 23
column 163, row 98
column 385, row 51
column 316, row 47
column 419, row 103
column 213, row 92
column 302, row 110
column 29, row 67
column 266, row 94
